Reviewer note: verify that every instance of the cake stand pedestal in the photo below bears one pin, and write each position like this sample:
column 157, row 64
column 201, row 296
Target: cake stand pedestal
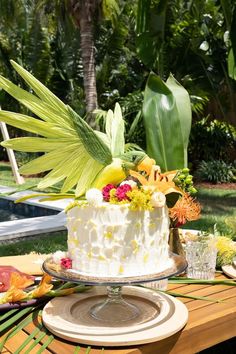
column 115, row 312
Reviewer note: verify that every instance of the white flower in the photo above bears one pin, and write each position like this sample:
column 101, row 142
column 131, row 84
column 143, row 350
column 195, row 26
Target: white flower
column 131, row 183
column 94, row 196
column 158, row 199
column 58, row 255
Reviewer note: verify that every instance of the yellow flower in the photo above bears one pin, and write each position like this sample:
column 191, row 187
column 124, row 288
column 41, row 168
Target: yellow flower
column 43, row 288
column 13, row 295
column 146, row 165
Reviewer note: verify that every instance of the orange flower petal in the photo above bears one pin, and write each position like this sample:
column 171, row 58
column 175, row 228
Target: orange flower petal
column 146, row 165
column 20, row 281
column 185, row 209
column 139, row 177
column 43, row 288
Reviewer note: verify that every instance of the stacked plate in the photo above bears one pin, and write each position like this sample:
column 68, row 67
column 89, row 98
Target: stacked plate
column 160, row 316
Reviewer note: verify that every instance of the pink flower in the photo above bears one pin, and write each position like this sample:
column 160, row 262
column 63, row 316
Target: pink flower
column 106, row 191
column 66, row 263
column 121, row 192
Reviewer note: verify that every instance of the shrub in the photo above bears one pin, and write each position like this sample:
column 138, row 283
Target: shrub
column 216, row 171
column 213, row 140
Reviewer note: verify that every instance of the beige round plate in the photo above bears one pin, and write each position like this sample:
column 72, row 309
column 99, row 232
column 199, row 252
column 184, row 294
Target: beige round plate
column 160, row 316
column 229, row 270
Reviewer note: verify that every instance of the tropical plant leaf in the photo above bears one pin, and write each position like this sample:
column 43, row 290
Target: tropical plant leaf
column 183, row 104
column 45, row 162
column 33, row 125
column 97, row 149
column 33, row 334
column 42, row 109
column 78, row 166
column 231, row 65
column 35, row 144
column 91, row 170
column 66, row 158
column 115, row 131
column 44, row 93
column 150, row 28
column 167, row 131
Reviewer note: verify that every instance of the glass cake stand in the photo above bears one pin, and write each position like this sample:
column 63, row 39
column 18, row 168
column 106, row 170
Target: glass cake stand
column 113, row 308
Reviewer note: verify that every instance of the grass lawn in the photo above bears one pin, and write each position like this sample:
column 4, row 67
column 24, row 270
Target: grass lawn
column 7, row 179
column 217, row 205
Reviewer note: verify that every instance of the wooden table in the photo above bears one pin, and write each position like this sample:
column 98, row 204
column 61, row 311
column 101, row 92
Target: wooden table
column 209, row 323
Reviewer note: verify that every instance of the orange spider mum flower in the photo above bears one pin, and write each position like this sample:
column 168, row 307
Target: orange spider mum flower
column 185, row 209
column 43, row 288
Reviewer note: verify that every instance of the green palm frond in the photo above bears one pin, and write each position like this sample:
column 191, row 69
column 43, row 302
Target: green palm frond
column 111, row 10
column 74, row 152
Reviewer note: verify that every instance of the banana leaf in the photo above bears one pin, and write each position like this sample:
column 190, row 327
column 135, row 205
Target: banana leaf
column 167, row 120
column 150, row 30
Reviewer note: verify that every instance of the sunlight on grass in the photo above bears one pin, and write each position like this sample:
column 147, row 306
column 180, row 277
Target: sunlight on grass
column 7, row 178
column 45, row 243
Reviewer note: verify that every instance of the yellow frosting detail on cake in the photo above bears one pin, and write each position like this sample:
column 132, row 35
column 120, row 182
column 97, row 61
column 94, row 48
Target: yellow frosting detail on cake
column 76, row 242
column 138, row 225
column 89, row 254
column 152, row 225
column 121, row 269
column 102, row 258
column 135, row 245
column 145, row 258
column 108, row 234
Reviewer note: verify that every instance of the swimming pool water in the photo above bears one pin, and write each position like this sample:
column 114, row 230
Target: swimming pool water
column 10, row 211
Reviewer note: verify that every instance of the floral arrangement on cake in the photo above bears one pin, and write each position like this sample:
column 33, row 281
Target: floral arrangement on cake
column 148, row 188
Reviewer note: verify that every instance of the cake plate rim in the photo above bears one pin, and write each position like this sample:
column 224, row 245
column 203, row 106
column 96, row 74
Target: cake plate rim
column 48, row 266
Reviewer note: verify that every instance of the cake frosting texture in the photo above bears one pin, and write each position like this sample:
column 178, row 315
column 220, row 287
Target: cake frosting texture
column 112, row 240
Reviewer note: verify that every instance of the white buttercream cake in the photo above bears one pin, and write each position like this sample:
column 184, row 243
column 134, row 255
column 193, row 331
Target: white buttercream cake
column 112, row 240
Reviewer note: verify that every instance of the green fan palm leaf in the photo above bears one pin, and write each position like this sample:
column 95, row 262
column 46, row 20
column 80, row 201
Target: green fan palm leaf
column 42, row 109
column 32, row 125
column 91, row 170
column 68, row 168
column 35, row 144
column 45, row 94
column 78, row 166
column 46, row 162
column 74, row 152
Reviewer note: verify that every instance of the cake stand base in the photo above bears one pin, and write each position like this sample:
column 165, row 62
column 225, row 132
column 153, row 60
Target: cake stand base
column 159, row 316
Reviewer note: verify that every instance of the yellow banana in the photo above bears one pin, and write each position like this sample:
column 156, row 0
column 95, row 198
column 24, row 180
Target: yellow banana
column 113, row 173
